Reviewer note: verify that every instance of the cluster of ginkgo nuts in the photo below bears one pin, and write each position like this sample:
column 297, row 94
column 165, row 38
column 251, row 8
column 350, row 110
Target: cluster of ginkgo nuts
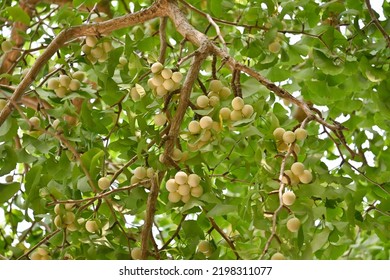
column 95, row 51
column 141, row 173
column 65, row 218
column 183, row 187
column 240, row 110
column 285, row 138
column 216, row 93
column 65, row 84
column 203, row 128
column 164, row 80
column 40, row 254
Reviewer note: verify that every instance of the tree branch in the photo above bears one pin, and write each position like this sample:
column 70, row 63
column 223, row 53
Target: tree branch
column 377, row 23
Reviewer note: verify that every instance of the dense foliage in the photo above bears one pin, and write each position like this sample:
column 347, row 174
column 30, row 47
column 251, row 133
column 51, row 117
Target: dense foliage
column 102, row 128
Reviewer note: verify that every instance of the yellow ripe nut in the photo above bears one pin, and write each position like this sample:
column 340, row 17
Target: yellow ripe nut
column 293, row 178
column 91, row 41
column 160, row 119
column 86, row 49
column 150, row 172
column 297, row 168
column 278, row 256
column 42, row 251
column 169, row 85
column 236, row 115
column 64, row 80
column 288, row 198
column 68, row 218
column 225, row 113
column 206, row 122
column 288, row 137
column 202, row 101
column 177, row 77
column 177, row 154
column 166, row 73
column 107, row 46
column 79, row 75
column 91, row 226
column 185, row 198
column 61, row 91
column 71, row 227
column 247, row 110
column 104, row 183
column 193, row 180
column 157, row 80
column 35, row 122
column 134, row 180
column 237, row 103
column 282, row 147
column 274, row 47
column 224, row 93
column 214, row 101
column 184, row 189
column 300, row 133
column 53, row 83
column 197, row 191
column 6, row 46
column 215, row 85
column 35, row 256
column 306, row 177
column 216, row 127
column 181, row 178
column 140, row 172
column 206, row 136
column 98, row 53
column 58, row 221
column 123, row 61
column 204, row 246
column 293, row 224
column 194, row 127
column 161, row 91
column 174, row 197
column 171, row 185
column 69, row 206
column 58, row 209
column 74, row 85
column 136, row 253
column 156, row 67
column 278, row 133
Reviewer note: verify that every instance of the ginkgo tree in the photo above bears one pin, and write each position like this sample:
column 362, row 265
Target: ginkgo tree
column 176, row 129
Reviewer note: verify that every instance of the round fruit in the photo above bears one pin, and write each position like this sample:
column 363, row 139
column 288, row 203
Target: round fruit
column 91, row 226
column 177, row 154
column 156, row 67
column 177, row 77
column 224, row 93
column 171, row 185
column 174, row 197
column 193, row 180
column 53, row 83
column 74, row 85
column 278, row 256
column 282, row 147
column 69, row 206
column 157, row 80
column 184, row 189
column 35, row 256
column 57, row 209
column 61, row 91
column 104, row 183
column 42, row 252
column 107, row 46
column 306, row 177
column 136, row 253
column 98, row 53
column 300, row 133
column 225, row 113
column 274, row 47
column 9, row 179
column 135, row 95
column 169, row 84
column 214, row 101
column 293, row 224
column 288, row 198
column 202, row 101
column 64, row 80
column 71, row 227
column 79, row 75
column 247, row 110
column 294, row 180
column 123, row 60
column 206, row 136
column 297, row 168
column 185, row 198
column 215, row 85
column 91, row 41
column 58, row 221
column 237, row 103
column 204, row 246
column 6, row 46
column 134, row 180
column 194, row 127
column 197, row 191
column 150, row 172
column 166, row 73
column 278, row 133
column 69, row 218
column 235, row 115
column 161, row 91
column 140, row 172
column 181, row 177
column 288, row 137
column 206, row 122
column 35, row 122
column 160, row 119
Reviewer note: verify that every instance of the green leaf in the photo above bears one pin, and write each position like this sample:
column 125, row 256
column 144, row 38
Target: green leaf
column 18, row 14
column 222, row 209
column 326, row 64
column 7, row 191
column 320, row 239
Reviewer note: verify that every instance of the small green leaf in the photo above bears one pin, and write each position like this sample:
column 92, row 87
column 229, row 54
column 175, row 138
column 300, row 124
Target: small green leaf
column 18, row 14
column 7, row 191
column 222, row 209
column 320, row 239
